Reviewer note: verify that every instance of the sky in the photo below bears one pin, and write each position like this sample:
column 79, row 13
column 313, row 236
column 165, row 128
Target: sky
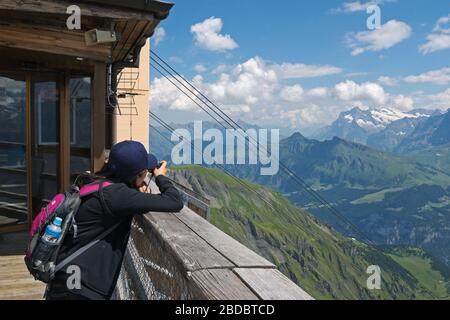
column 299, row 63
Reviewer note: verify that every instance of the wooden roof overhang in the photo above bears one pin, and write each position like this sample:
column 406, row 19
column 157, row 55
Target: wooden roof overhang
column 40, row 25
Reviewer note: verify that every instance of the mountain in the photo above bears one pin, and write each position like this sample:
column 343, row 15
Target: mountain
column 326, row 264
column 433, row 132
column 389, row 138
column 358, row 125
column 438, row 156
column 393, row 199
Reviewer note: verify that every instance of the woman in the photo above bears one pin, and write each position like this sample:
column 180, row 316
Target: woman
column 114, row 205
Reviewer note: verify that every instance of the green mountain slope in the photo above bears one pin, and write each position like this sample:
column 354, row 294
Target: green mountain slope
column 429, row 271
column 394, row 199
column 326, row 264
column 438, row 156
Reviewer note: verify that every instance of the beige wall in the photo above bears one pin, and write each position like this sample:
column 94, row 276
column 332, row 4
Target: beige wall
column 135, row 127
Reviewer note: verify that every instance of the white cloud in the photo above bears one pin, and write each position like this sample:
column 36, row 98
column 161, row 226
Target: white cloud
column 441, row 25
column 292, row 93
column 441, row 76
column 439, row 39
column 160, row 34
column 350, row 90
column 318, row 92
column 253, row 91
column 199, row 68
column 207, row 35
column 299, row 70
column 441, row 100
column 220, row 69
column 248, row 85
column 387, row 36
column 355, row 74
column 356, row 6
column 404, row 103
column 175, row 59
column 388, row 81
column 435, row 42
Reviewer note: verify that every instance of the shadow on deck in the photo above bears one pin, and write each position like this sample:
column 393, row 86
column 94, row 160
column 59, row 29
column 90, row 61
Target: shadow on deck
column 16, row 283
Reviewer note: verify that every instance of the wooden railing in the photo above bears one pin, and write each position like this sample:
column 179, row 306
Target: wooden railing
column 183, row 256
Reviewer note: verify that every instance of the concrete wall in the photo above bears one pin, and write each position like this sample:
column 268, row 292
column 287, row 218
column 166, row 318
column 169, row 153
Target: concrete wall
column 133, row 124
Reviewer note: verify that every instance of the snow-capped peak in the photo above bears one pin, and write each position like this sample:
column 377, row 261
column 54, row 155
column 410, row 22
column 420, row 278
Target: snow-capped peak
column 387, row 115
column 377, row 119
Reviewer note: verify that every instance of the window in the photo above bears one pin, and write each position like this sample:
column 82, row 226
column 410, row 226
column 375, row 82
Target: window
column 80, row 122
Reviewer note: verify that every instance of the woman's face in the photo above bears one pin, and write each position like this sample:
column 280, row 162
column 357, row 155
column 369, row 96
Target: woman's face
column 141, row 178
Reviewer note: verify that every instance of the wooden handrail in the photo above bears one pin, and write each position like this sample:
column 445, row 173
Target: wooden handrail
column 183, row 256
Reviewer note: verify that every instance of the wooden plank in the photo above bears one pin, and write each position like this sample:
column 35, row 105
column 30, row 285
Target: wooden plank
column 98, row 122
column 271, row 284
column 56, row 41
column 130, row 38
column 120, row 29
column 15, row 228
column 220, row 284
column 191, row 250
column 126, row 29
column 233, row 250
column 60, row 7
column 15, row 280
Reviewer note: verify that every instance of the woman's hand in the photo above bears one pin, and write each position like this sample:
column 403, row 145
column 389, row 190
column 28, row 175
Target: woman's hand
column 162, row 170
column 145, row 189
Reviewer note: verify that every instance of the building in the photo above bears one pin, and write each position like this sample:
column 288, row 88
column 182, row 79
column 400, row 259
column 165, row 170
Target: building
column 66, row 96
column 64, row 100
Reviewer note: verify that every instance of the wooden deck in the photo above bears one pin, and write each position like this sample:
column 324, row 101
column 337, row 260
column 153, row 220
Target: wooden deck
column 15, row 281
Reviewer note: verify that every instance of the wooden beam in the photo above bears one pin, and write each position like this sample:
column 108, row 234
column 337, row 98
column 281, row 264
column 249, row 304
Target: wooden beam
column 98, row 122
column 37, row 19
column 52, row 41
column 60, row 7
column 64, row 129
column 28, row 143
column 14, row 59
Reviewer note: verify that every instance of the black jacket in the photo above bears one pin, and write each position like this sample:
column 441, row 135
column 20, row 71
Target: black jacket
column 100, row 265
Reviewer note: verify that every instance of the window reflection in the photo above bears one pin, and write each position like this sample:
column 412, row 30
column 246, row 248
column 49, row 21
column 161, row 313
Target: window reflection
column 13, row 179
column 80, row 106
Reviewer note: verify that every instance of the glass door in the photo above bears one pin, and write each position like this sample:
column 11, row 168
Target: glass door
column 42, row 141
column 13, row 164
column 45, row 131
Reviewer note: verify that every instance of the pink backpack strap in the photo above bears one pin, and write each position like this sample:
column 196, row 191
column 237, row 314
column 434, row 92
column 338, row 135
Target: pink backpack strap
column 93, row 188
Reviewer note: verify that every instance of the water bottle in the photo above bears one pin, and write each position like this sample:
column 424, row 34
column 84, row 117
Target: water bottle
column 48, row 241
column 53, row 231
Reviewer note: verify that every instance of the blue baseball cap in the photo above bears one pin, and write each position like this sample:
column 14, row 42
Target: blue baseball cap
column 128, row 158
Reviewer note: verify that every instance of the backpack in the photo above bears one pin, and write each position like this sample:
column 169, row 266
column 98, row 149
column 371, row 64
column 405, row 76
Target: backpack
column 65, row 206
